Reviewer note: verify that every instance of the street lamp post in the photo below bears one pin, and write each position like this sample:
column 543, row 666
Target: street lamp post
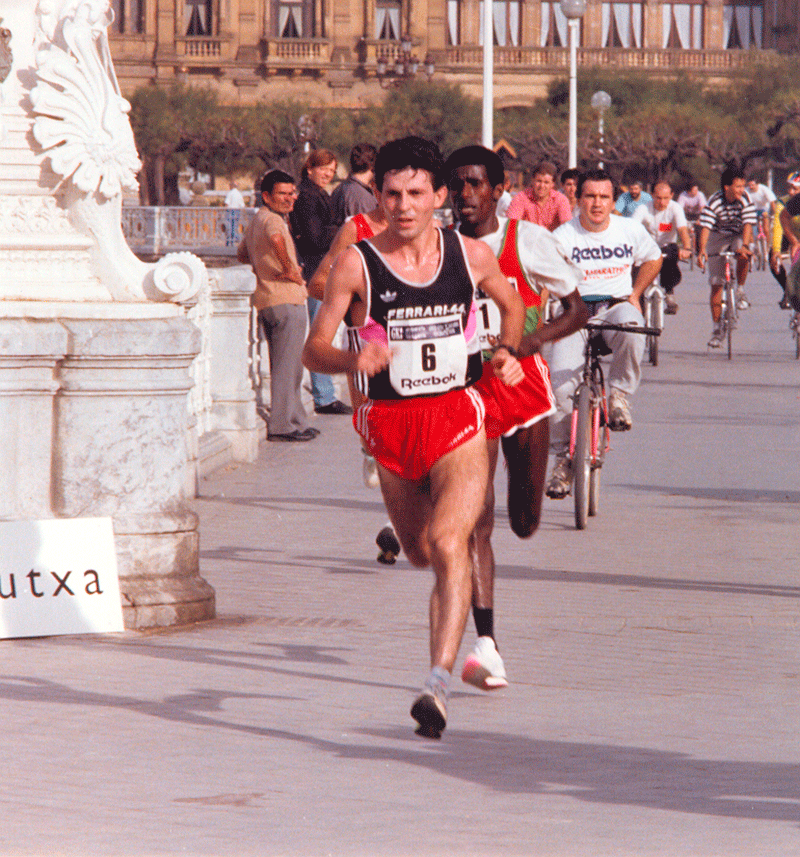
column 573, row 11
column 601, row 101
column 487, row 124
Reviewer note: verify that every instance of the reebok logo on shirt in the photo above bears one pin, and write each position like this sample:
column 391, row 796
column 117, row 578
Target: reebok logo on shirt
column 586, row 253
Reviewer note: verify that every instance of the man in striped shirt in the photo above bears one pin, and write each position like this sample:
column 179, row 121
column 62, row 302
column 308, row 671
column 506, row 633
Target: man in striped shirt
column 726, row 223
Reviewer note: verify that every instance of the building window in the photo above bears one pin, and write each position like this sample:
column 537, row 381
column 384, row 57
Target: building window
column 387, row 20
column 453, row 27
column 505, row 21
column 622, row 25
column 295, row 19
column 682, row 25
column 742, row 26
column 128, row 16
column 198, row 19
column 554, row 27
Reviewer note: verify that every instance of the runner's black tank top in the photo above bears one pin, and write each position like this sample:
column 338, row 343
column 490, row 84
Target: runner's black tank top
column 426, row 325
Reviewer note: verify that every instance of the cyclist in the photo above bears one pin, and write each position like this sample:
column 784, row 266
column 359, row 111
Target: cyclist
column 666, row 222
column 634, row 197
column 693, row 201
column 764, row 201
column 606, row 248
column 726, row 224
column 780, row 243
column 790, row 221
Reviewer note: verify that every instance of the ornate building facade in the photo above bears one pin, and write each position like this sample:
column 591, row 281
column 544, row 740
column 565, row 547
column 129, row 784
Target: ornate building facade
column 343, row 52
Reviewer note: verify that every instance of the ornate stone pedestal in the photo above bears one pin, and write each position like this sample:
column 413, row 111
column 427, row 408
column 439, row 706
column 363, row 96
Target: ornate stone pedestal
column 95, row 346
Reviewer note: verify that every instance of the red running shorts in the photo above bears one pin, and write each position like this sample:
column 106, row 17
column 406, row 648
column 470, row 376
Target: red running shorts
column 509, row 409
column 408, row 436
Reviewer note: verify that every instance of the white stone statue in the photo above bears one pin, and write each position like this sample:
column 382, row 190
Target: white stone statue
column 68, row 200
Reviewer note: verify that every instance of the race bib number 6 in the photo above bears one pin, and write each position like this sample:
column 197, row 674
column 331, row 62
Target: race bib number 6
column 428, row 357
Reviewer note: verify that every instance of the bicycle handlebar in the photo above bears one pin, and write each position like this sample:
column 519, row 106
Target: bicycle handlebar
column 607, row 325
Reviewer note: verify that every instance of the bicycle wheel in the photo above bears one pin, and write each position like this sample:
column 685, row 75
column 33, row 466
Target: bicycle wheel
column 730, row 315
column 657, row 321
column 796, row 334
column 582, row 457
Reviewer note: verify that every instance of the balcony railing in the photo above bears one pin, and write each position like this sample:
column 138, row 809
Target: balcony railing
column 649, row 58
column 297, row 52
column 201, row 47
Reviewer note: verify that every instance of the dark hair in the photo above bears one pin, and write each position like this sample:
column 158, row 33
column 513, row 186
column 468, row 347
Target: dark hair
column 469, row 156
column 571, row 173
column 362, row 157
column 409, row 152
column 595, row 176
column 729, row 175
column 318, row 158
column 274, row 177
column 545, row 168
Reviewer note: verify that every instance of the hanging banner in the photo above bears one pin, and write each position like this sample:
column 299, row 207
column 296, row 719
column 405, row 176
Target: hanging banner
column 58, row 577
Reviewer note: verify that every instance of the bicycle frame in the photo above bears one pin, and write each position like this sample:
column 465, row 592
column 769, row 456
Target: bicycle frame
column 728, row 312
column 590, row 437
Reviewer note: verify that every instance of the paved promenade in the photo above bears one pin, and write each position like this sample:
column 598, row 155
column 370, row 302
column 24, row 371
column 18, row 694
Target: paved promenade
column 653, row 659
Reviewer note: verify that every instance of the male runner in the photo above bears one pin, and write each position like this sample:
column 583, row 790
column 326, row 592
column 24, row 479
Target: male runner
column 726, row 223
column 529, row 257
column 408, row 297
column 606, row 248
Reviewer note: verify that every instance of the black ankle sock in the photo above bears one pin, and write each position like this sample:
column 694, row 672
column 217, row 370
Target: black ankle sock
column 484, row 621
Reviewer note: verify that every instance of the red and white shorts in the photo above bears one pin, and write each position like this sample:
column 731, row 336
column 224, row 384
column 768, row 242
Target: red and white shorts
column 509, row 409
column 408, row 436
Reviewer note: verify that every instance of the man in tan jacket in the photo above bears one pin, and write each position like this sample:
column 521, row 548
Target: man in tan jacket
column 280, row 298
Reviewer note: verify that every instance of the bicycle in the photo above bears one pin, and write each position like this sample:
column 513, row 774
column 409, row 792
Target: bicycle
column 729, row 313
column 590, row 435
column 653, row 300
column 761, row 254
column 794, row 326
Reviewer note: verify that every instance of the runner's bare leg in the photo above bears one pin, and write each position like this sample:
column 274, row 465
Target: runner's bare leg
column 437, row 532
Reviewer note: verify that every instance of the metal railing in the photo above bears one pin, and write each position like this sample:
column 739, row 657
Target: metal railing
column 204, row 230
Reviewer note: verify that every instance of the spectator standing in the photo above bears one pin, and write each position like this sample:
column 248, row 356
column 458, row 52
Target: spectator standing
column 541, row 203
column 569, row 186
column 313, row 229
column 354, row 195
column 280, row 299
column 234, row 198
column 506, row 196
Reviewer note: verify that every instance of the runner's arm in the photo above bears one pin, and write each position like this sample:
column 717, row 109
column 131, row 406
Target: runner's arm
column 344, row 238
column 345, row 282
column 574, row 317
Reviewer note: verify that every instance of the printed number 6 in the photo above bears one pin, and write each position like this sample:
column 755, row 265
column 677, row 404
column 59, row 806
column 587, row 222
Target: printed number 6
column 428, row 357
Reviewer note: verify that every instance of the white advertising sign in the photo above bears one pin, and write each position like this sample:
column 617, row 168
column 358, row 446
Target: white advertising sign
column 58, row 577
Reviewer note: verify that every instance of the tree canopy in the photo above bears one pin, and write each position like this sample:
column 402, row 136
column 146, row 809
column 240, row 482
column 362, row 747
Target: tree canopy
column 656, row 127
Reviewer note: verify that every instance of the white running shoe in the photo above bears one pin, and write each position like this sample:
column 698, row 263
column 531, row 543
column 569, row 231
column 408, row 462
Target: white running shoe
column 484, row 666
column 369, row 470
column 716, row 338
